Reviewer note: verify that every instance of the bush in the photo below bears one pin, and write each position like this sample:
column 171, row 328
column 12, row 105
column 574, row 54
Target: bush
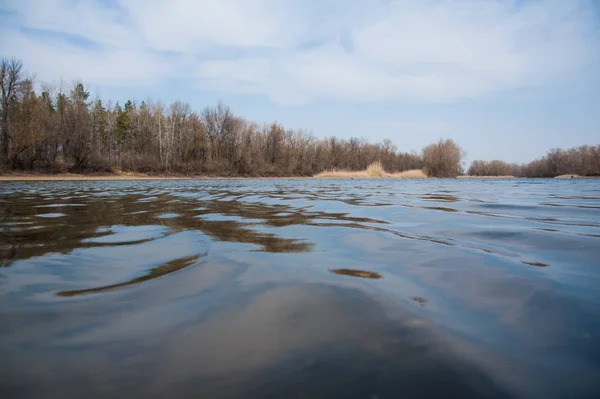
column 443, row 159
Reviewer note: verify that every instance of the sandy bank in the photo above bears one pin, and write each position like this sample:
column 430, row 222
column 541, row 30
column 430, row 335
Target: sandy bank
column 343, row 174
column 77, row 177
column 417, row 174
column 124, row 176
column 486, row 177
column 576, row 177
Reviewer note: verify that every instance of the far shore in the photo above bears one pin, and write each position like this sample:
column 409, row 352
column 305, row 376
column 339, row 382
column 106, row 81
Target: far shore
column 139, row 176
column 128, row 176
column 485, row 177
column 414, row 174
column 571, row 176
column 374, row 170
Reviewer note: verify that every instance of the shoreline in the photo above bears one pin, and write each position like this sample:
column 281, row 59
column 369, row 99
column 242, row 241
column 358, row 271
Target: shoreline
column 18, row 177
column 126, row 177
column 130, row 177
column 486, row 177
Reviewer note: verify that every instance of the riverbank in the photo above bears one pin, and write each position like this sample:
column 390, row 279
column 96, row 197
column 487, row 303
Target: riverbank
column 346, row 174
column 116, row 177
column 375, row 170
column 77, row 177
column 409, row 174
column 140, row 176
column 486, row 177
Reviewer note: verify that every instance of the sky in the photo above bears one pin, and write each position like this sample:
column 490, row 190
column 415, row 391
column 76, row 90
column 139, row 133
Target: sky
column 506, row 79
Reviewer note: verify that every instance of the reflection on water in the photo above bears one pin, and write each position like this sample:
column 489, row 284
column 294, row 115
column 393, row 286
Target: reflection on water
column 95, row 216
column 537, row 264
column 420, row 300
column 300, row 288
column 356, row 273
column 159, row 271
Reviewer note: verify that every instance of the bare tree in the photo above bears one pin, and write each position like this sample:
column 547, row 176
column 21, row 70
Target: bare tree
column 217, row 122
column 490, row 168
column 62, row 129
column 11, row 80
column 78, row 138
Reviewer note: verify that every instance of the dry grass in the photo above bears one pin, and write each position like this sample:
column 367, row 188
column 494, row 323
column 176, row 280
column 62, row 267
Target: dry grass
column 410, row 174
column 374, row 170
column 341, row 174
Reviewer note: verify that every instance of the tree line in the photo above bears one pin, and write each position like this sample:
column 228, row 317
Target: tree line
column 583, row 161
column 58, row 131
column 68, row 130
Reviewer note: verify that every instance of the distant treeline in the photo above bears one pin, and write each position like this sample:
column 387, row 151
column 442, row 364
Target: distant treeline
column 67, row 130
column 583, row 161
column 57, row 131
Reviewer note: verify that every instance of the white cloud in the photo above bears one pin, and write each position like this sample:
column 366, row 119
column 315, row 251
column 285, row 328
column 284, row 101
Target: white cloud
column 84, row 19
column 54, row 60
column 438, row 51
column 413, row 50
column 189, row 25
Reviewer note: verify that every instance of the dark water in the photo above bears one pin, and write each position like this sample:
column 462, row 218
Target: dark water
column 300, row 289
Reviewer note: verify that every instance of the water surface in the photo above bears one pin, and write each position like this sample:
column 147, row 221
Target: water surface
column 300, row 288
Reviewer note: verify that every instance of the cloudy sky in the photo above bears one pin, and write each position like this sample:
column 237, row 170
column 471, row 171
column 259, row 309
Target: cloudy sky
column 506, row 79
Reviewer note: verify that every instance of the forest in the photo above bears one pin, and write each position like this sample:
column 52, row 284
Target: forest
column 56, row 131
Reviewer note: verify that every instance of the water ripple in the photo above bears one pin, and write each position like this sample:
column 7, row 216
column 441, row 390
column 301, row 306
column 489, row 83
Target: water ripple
column 283, row 288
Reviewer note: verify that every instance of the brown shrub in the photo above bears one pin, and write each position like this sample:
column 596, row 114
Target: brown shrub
column 443, row 159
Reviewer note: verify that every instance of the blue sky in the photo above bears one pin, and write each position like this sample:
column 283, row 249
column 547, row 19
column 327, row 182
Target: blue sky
column 506, row 79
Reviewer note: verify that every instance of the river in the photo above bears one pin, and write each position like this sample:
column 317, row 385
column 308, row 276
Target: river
column 300, row 288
